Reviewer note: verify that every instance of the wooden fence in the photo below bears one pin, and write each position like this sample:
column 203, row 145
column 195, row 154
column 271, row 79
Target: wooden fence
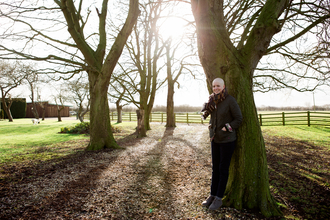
column 265, row 119
column 161, row 117
column 295, row 118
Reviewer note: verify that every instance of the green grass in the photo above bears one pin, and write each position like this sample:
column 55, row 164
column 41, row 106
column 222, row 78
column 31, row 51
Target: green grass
column 318, row 135
column 20, row 139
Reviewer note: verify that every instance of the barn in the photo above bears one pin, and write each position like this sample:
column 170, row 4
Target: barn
column 50, row 110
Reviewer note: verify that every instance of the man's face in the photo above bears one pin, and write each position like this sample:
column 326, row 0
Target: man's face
column 217, row 87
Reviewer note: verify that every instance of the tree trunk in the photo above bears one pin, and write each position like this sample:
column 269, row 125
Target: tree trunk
column 59, row 119
column 248, row 184
column 7, row 108
column 81, row 118
column 101, row 135
column 43, row 107
column 170, row 119
column 119, row 109
column 34, row 105
column 140, row 129
column 146, row 120
column 43, row 113
column 119, row 114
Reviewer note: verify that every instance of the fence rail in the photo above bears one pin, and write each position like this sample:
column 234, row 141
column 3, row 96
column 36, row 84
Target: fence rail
column 161, row 117
column 295, row 118
column 265, row 119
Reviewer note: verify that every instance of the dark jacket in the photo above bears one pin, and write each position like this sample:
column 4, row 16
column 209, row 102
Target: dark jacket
column 227, row 111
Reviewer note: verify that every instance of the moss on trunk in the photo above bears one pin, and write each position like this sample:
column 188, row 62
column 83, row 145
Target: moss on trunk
column 101, row 135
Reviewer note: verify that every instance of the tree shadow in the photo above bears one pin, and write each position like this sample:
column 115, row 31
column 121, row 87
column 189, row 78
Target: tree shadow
column 25, row 204
column 299, row 176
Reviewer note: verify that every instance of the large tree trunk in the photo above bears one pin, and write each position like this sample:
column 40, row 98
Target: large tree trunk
column 101, row 135
column 146, row 119
column 248, row 184
column 140, row 129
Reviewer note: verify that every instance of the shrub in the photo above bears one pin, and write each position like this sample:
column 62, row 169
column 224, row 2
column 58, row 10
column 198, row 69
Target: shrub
column 83, row 128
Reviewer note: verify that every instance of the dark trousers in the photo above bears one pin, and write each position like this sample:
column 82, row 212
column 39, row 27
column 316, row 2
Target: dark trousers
column 221, row 156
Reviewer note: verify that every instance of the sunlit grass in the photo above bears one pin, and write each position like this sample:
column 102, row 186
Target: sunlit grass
column 20, row 139
column 319, row 135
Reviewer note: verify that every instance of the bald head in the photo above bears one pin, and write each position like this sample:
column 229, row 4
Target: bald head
column 219, row 81
column 218, row 85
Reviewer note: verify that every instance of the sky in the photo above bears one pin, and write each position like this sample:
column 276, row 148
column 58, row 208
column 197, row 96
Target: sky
column 194, row 93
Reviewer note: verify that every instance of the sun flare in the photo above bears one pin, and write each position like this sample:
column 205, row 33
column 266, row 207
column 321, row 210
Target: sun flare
column 172, row 27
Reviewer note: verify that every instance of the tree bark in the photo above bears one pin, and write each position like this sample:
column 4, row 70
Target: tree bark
column 170, row 119
column 101, row 135
column 119, row 114
column 59, row 109
column 248, row 184
column 140, row 129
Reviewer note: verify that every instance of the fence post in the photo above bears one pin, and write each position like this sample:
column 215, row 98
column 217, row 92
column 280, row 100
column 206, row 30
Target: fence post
column 187, row 119
column 130, row 116
column 162, row 117
column 308, row 118
column 260, row 119
column 283, row 118
column 150, row 117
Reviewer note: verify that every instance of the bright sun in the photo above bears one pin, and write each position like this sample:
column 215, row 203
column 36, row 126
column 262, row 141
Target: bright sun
column 172, row 27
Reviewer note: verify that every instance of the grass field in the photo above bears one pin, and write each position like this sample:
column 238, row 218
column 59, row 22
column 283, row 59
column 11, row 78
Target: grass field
column 21, row 140
column 318, row 135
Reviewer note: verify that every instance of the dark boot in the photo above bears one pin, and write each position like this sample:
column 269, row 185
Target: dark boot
column 208, row 201
column 217, row 203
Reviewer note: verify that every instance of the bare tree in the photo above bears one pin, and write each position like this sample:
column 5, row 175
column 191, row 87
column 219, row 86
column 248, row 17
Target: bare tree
column 233, row 37
column 119, row 106
column 141, row 67
column 177, row 66
column 60, row 98
column 11, row 77
column 73, row 38
column 32, row 79
column 117, row 93
column 78, row 92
